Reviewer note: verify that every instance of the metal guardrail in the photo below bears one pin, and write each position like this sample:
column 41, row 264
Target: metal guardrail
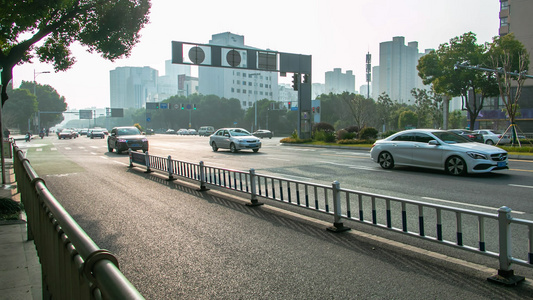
column 484, row 233
column 73, row 266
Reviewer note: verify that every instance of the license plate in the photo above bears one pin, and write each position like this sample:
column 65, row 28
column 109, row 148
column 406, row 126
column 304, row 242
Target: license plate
column 502, row 163
column 135, row 145
column 251, row 145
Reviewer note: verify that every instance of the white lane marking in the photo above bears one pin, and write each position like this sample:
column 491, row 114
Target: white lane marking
column 67, row 148
column 524, row 186
column 273, row 158
column 53, row 149
column 472, row 205
column 39, row 149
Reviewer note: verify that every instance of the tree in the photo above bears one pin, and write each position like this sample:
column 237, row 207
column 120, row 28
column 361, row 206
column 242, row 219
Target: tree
column 48, row 100
column 384, row 109
column 20, row 109
column 440, row 69
column 428, row 107
column 362, row 109
column 407, row 119
column 46, row 29
column 508, row 56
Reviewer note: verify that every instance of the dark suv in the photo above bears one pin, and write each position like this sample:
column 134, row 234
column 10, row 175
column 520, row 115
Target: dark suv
column 127, row 137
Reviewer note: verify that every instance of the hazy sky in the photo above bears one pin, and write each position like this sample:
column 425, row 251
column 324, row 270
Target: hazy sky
column 337, row 33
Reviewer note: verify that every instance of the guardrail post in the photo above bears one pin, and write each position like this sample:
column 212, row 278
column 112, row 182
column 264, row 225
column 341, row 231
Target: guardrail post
column 337, row 210
column 169, row 168
column 147, row 159
column 505, row 273
column 253, row 199
column 202, row 178
column 131, row 158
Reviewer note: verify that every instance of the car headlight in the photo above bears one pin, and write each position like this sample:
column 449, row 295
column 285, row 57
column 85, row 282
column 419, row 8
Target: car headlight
column 145, row 140
column 477, row 155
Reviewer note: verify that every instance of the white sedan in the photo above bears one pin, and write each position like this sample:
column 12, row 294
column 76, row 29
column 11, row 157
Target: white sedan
column 437, row 149
column 234, row 139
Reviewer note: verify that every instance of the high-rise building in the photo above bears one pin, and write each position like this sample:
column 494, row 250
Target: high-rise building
column 246, row 85
column 338, row 82
column 397, row 70
column 176, row 81
column 132, row 87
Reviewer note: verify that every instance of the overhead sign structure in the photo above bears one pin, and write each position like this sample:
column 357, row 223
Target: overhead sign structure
column 86, row 114
column 208, row 55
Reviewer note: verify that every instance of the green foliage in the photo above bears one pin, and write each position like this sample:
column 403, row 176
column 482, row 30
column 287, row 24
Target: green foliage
column 295, row 140
column 343, row 134
column 388, row 133
column 22, row 107
column 368, row 133
column 324, row 136
column 9, row 209
column 323, row 126
column 356, row 142
column 46, row 29
column 407, row 119
column 457, row 120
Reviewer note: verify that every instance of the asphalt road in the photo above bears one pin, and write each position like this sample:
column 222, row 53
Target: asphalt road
column 174, row 242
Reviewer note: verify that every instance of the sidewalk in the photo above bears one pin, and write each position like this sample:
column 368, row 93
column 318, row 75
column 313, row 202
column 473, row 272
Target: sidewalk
column 20, row 270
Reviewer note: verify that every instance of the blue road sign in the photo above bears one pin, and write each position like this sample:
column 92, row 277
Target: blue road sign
column 163, row 106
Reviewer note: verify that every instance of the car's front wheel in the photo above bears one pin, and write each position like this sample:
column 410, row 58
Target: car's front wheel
column 232, row 148
column 214, row 146
column 255, row 150
column 489, row 142
column 385, row 160
column 455, row 166
column 117, row 148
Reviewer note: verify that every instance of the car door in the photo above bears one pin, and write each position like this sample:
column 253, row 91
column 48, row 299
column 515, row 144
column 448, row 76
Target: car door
column 402, row 148
column 426, row 155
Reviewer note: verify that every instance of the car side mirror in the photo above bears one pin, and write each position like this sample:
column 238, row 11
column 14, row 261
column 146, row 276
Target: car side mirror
column 433, row 143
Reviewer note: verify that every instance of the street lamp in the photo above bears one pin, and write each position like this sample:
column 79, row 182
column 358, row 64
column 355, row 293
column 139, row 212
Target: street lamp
column 35, row 74
column 255, row 98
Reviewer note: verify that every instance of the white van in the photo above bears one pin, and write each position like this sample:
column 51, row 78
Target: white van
column 206, row 130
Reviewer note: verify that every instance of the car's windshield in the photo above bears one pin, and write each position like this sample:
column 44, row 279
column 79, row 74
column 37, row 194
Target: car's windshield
column 239, row 132
column 128, row 131
column 450, row 137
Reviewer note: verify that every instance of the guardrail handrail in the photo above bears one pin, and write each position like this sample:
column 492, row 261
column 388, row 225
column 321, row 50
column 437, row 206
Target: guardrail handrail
column 320, row 197
column 72, row 265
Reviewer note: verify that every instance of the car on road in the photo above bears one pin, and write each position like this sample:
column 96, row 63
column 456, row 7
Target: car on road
column 492, row 137
column 234, row 139
column 67, row 134
column 192, row 131
column 183, row 131
column 206, row 130
column 97, row 133
column 170, row 131
column 471, row 135
column 126, row 137
column 262, row 133
column 437, row 149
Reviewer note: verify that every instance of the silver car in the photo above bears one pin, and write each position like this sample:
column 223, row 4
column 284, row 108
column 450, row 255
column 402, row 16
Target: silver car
column 234, row 139
column 437, row 149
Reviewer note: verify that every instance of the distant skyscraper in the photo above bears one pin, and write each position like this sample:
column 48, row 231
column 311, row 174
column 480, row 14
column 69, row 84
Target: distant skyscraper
column 246, row 85
column 169, row 84
column 397, row 70
column 132, row 87
column 337, row 82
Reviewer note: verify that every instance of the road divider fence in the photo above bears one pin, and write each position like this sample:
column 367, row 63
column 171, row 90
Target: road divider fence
column 72, row 265
column 489, row 234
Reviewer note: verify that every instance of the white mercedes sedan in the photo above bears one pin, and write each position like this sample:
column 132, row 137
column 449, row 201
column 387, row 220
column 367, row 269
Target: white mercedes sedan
column 437, row 149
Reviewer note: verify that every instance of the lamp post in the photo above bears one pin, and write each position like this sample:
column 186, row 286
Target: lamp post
column 35, row 74
column 255, row 98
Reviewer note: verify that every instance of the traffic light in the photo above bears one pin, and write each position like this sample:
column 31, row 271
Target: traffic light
column 306, row 78
column 289, row 105
column 313, row 109
column 295, row 79
column 182, row 106
column 194, row 106
column 318, row 109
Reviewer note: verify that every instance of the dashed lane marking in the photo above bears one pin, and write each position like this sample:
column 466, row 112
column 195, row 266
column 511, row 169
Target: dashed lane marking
column 468, row 204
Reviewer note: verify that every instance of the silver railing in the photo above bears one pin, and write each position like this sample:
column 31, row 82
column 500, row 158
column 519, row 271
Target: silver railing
column 72, row 265
column 489, row 234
